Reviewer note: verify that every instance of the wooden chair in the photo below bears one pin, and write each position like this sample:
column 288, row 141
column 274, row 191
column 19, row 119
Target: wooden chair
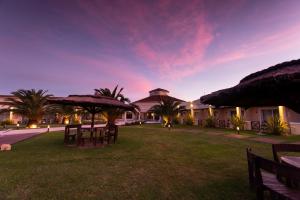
column 251, row 168
column 255, row 125
column 222, row 124
column 98, row 136
column 83, row 136
column 284, row 148
column 70, row 137
column 111, row 132
column 266, row 172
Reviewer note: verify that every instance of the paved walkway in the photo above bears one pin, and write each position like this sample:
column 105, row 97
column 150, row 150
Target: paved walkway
column 11, row 139
column 267, row 140
column 13, row 136
column 238, row 136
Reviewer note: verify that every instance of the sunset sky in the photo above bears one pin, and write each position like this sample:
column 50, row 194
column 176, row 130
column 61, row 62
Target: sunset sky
column 189, row 47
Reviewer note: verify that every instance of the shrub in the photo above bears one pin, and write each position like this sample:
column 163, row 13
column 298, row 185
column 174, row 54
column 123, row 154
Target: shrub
column 276, row 127
column 209, row 122
column 237, row 122
column 189, row 120
column 176, row 120
column 76, row 121
column 7, row 122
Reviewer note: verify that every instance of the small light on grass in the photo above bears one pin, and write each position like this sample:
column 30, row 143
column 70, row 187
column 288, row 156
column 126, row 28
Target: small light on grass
column 18, row 125
column 48, row 128
column 238, row 129
column 169, row 126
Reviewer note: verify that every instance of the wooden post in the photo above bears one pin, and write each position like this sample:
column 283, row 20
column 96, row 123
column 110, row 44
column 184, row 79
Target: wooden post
column 93, row 121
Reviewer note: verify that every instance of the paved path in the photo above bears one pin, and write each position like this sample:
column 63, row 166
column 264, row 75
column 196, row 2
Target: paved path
column 266, row 140
column 238, row 136
column 13, row 136
column 11, row 139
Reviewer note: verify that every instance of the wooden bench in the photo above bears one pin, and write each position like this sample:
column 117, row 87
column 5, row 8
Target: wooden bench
column 265, row 178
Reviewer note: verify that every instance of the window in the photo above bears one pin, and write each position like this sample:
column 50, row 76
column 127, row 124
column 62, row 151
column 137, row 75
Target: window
column 268, row 113
column 128, row 115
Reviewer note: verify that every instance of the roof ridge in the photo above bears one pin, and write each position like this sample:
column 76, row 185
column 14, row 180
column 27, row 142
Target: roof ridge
column 270, row 69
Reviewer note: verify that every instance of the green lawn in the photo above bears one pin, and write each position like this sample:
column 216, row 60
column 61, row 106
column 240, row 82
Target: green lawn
column 148, row 162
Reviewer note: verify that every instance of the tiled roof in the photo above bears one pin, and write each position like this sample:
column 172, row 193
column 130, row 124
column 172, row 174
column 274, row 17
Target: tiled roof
column 157, row 98
column 158, row 89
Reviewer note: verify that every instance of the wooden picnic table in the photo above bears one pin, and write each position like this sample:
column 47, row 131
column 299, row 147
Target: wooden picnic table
column 93, row 133
column 79, row 134
column 291, row 160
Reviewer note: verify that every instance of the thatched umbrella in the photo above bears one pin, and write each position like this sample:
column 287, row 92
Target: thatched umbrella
column 92, row 103
column 274, row 86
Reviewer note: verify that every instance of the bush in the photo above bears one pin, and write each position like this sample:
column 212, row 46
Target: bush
column 7, row 122
column 237, row 122
column 76, row 121
column 276, row 127
column 209, row 122
column 176, row 120
column 189, row 120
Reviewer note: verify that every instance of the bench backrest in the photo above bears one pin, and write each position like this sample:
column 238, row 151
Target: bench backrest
column 68, row 127
column 112, row 129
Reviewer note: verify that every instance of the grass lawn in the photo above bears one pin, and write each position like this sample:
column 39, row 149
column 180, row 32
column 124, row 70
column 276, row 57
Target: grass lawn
column 148, row 162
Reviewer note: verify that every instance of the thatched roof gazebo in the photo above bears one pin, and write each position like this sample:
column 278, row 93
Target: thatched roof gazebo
column 274, row 86
column 92, row 103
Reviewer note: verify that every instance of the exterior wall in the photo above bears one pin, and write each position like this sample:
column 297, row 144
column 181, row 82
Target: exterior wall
column 292, row 116
column 250, row 115
column 9, row 115
column 294, row 120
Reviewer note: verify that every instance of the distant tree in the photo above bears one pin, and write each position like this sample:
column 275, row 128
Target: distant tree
column 67, row 112
column 31, row 104
column 167, row 109
column 111, row 114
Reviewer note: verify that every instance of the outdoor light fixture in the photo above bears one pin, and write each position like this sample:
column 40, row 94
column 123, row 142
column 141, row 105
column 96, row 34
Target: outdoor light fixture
column 48, row 128
column 67, row 121
column 18, row 125
column 169, row 126
column 140, row 123
column 238, row 129
column 33, row 126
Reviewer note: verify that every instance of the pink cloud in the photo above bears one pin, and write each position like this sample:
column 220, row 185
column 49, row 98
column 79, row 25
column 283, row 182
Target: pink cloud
column 177, row 53
column 165, row 36
column 258, row 45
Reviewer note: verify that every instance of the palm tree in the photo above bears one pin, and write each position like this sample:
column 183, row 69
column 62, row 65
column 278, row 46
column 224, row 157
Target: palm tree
column 167, row 109
column 31, row 104
column 67, row 112
column 111, row 114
